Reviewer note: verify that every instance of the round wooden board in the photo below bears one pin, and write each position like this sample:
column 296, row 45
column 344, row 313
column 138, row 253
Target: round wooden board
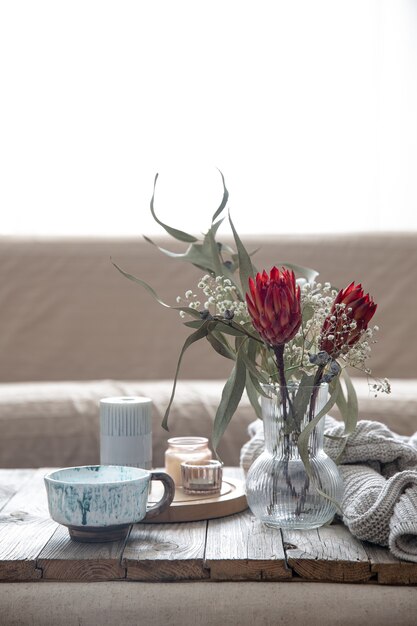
column 185, row 508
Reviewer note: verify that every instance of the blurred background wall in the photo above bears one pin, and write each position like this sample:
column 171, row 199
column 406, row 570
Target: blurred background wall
column 309, row 109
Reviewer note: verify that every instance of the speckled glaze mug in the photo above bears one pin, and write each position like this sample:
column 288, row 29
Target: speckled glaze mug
column 100, row 502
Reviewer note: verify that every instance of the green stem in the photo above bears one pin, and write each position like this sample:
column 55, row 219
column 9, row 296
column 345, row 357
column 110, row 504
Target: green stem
column 279, row 356
column 316, row 386
column 311, row 414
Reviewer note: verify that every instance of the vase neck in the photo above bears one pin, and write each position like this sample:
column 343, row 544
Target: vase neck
column 282, row 424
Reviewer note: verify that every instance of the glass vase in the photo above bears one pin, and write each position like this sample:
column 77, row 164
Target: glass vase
column 280, row 492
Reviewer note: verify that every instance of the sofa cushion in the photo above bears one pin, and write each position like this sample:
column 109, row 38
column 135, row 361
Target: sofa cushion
column 56, row 424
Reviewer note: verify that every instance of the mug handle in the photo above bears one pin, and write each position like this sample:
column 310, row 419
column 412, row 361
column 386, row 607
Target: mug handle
column 167, row 498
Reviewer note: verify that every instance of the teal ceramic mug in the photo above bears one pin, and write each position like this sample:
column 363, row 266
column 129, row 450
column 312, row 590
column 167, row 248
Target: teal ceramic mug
column 100, row 502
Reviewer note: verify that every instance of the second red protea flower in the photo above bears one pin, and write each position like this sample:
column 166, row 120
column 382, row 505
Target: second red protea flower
column 348, row 319
column 274, row 305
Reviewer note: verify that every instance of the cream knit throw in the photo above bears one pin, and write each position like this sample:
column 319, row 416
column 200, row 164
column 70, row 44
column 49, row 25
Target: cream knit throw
column 379, row 469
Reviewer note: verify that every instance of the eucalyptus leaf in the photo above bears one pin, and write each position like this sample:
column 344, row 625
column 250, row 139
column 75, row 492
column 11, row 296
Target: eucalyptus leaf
column 251, row 254
column 348, row 408
column 251, row 367
column 252, row 389
column 304, row 438
column 212, row 250
column 153, row 293
column 307, row 313
column 341, row 400
column 335, row 437
column 215, row 254
column 224, row 326
column 258, row 378
column 352, row 404
column 196, row 336
column 239, row 342
column 197, row 254
column 220, row 346
column 306, row 272
column 235, row 258
column 215, row 227
column 258, row 386
column 194, row 323
column 174, row 232
column 306, row 432
column 302, row 398
column 224, row 199
column 229, row 328
column 226, row 248
column 245, row 329
column 231, row 395
column 246, row 269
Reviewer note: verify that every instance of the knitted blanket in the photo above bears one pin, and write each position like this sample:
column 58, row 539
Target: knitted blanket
column 379, row 470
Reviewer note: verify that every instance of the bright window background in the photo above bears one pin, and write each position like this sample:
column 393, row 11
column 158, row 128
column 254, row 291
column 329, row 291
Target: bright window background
column 308, row 107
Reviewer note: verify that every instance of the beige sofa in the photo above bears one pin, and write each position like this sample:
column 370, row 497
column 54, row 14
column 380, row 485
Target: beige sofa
column 74, row 330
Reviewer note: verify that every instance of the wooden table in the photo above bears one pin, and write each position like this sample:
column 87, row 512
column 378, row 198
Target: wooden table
column 236, row 548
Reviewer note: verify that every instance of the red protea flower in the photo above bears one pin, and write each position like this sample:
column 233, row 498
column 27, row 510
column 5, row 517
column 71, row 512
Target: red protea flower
column 348, row 318
column 274, row 305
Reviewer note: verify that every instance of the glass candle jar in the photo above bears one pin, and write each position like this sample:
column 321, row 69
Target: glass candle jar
column 185, row 449
column 203, row 477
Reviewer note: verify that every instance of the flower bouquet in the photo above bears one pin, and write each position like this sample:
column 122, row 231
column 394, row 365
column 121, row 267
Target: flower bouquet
column 290, row 341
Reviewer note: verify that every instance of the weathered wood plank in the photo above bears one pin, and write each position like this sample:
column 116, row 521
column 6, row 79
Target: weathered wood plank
column 388, row 569
column 165, row 552
column 65, row 559
column 327, row 554
column 25, row 527
column 241, row 548
column 11, row 480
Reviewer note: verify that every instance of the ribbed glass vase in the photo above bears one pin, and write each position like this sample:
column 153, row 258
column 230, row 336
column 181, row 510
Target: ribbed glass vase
column 279, row 490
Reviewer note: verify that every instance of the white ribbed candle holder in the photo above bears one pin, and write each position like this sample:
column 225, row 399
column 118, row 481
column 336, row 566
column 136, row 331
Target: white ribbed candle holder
column 126, row 431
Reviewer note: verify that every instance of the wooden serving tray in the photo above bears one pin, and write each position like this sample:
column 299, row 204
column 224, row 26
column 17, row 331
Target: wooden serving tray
column 193, row 508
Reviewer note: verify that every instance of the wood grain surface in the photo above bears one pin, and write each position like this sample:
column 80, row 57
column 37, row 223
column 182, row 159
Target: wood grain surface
column 11, row 482
column 328, row 554
column 237, row 547
column 241, row 548
column 166, row 552
column 63, row 559
column 25, row 527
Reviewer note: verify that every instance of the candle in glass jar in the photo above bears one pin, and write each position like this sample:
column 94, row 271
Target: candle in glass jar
column 201, row 477
column 185, row 449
